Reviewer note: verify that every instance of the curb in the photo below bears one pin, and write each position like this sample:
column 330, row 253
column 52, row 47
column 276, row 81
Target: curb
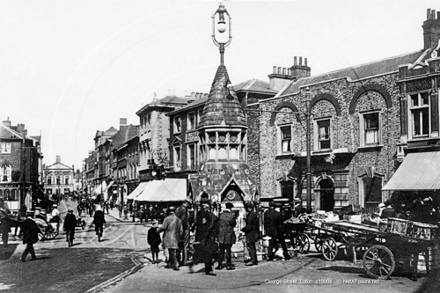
column 114, row 280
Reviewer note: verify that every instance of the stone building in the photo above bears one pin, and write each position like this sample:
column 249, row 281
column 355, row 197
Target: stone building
column 59, row 180
column 21, row 167
column 155, row 133
column 354, row 132
column 418, row 84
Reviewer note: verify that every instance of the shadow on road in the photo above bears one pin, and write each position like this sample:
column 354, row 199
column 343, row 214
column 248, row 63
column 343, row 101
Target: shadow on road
column 6, row 252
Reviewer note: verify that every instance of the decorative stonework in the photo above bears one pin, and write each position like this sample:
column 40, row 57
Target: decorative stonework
column 418, row 85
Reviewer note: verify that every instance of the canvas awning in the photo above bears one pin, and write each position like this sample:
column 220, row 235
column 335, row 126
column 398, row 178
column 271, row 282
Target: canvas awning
column 419, row 171
column 100, row 188
column 107, row 188
column 170, row 189
column 138, row 190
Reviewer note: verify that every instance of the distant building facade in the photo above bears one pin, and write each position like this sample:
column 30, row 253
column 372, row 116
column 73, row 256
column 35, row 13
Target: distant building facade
column 59, row 180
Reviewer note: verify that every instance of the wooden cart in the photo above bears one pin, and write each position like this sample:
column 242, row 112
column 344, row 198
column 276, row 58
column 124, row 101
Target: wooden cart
column 382, row 250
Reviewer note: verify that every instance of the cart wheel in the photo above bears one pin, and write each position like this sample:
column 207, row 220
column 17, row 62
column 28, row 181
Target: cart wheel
column 303, row 243
column 378, row 262
column 50, row 235
column 318, row 244
column 40, row 236
column 329, row 248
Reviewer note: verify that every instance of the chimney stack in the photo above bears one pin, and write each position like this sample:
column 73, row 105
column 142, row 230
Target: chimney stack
column 122, row 121
column 7, row 122
column 300, row 70
column 431, row 29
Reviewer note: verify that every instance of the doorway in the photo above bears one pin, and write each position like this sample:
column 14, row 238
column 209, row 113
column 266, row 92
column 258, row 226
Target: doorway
column 327, row 195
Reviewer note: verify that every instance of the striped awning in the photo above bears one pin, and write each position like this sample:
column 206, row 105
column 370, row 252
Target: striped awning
column 419, row 171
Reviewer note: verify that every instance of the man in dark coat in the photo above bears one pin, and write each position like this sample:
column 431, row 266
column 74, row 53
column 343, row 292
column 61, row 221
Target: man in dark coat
column 226, row 236
column 99, row 221
column 5, row 226
column 388, row 212
column 273, row 226
column 206, row 227
column 182, row 214
column 69, row 226
column 252, row 232
column 30, row 236
column 172, row 228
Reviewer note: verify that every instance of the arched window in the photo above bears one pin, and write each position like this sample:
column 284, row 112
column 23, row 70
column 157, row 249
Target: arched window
column 7, row 194
column 5, row 175
column 14, row 195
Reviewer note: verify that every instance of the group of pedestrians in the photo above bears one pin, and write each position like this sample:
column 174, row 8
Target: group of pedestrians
column 214, row 236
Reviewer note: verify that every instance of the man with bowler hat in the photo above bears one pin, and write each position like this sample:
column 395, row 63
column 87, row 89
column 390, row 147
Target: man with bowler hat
column 273, row 226
column 30, row 236
column 182, row 214
column 206, row 227
column 172, row 228
column 252, row 232
column 226, row 236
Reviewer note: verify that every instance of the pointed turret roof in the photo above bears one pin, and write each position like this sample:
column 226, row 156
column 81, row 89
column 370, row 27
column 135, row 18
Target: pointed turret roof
column 222, row 107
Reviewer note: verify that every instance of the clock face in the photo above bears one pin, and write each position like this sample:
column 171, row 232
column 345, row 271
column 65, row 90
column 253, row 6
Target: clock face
column 231, row 195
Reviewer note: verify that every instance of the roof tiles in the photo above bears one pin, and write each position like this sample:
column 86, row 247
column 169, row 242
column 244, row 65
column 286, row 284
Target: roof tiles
column 222, row 107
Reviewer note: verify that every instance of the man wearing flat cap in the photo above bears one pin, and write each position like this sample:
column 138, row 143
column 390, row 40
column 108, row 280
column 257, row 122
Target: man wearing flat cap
column 172, row 228
column 252, row 232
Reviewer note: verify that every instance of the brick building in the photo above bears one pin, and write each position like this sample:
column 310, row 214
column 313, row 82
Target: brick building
column 21, row 167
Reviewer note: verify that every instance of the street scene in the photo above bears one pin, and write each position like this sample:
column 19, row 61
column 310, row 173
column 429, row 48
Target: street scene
column 236, row 179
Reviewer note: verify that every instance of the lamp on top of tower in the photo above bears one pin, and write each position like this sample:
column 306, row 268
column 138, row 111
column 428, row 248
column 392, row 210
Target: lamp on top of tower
column 221, row 30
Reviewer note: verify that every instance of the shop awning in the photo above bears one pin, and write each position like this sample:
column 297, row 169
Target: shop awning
column 138, row 190
column 100, row 188
column 106, row 189
column 419, row 171
column 170, row 189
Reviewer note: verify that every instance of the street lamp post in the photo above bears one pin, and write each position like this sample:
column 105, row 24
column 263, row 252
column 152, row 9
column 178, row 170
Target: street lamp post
column 308, row 150
column 221, row 30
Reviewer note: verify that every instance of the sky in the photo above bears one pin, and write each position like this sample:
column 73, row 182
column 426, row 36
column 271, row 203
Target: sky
column 71, row 68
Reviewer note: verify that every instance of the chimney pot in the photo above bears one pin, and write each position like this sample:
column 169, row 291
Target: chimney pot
column 58, row 159
column 279, row 70
column 305, row 61
column 294, row 60
column 428, row 14
column 123, row 121
column 438, row 15
column 300, row 61
column 433, row 14
column 274, row 69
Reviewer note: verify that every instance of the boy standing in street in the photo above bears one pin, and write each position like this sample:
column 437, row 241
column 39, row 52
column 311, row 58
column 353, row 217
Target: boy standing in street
column 154, row 240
